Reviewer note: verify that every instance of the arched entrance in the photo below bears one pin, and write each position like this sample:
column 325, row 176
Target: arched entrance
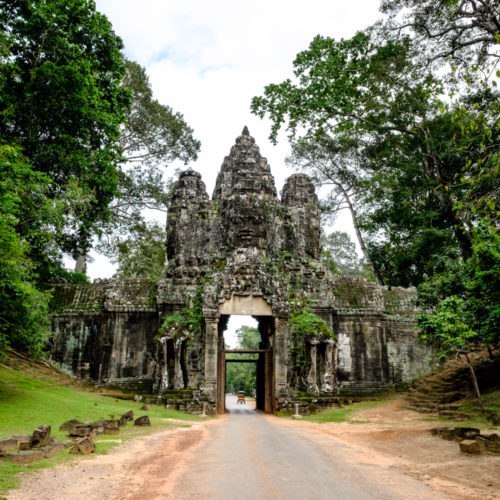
column 215, row 352
column 264, row 364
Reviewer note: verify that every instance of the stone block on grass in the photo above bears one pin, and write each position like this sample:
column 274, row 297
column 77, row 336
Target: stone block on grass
column 142, row 421
column 69, row 424
column 25, row 445
column 7, row 444
column 84, row 446
column 470, row 446
column 40, row 436
column 80, row 430
column 25, row 457
column 21, row 437
column 51, row 449
column 126, row 417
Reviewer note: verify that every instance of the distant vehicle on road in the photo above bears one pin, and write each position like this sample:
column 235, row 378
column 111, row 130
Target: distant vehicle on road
column 241, row 398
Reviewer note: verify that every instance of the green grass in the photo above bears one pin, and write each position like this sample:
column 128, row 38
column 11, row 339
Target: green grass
column 30, row 397
column 344, row 414
column 491, row 402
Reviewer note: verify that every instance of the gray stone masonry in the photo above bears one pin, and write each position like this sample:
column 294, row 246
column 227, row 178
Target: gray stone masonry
column 244, row 251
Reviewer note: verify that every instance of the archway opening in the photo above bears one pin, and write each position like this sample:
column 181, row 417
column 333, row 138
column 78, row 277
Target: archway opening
column 241, row 368
column 245, row 359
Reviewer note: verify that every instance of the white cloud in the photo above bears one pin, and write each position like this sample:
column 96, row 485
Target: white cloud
column 207, row 60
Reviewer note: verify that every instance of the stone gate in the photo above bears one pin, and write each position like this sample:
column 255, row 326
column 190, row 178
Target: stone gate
column 243, row 251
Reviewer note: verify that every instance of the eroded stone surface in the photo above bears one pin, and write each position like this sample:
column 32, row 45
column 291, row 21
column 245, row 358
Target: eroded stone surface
column 243, row 251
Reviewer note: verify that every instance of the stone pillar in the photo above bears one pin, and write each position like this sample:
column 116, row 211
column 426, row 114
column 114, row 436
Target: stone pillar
column 280, row 350
column 312, row 386
column 328, row 381
column 163, row 365
column 211, row 344
column 178, row 375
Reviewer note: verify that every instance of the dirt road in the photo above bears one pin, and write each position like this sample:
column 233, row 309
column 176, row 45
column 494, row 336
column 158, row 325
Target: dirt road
column 251, row 456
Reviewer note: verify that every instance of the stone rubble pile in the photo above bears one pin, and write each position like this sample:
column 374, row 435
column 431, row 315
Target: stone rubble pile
column 470, row 439
column 28, row 448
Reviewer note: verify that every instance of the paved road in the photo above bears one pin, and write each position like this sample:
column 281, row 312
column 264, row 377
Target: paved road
column 250, row 456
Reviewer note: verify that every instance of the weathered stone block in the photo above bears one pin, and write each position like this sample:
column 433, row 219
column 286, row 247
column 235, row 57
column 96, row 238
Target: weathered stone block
column 25, row 445
column 7, row 444
column 84, row 446
column 448, row 434
column 144, row 420
column 21, row 437
column 466, row 432
column 483, row 441
column 470, row 446
column 52, row 449
column 25, row 457
column 80, row 430
column 41, row 436
column 69, row 424
column 126, row 417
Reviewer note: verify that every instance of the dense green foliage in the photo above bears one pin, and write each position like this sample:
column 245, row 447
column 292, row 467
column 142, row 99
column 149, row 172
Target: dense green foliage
column 61, row 106
column 189, row 321
column 142, row 253
column 72, row 112
column 62, row 101
column 467, row 299
column 410, row 146
column 25, row 212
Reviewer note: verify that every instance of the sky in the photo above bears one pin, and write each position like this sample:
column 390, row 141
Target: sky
column 207, row 59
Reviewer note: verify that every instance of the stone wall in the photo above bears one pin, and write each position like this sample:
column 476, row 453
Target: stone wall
column 104, row 332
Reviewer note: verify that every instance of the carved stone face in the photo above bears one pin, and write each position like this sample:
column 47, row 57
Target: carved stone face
column 246, row 222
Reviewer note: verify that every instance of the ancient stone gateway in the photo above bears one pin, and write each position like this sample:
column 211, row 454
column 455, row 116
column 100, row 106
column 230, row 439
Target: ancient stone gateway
column 244, row 251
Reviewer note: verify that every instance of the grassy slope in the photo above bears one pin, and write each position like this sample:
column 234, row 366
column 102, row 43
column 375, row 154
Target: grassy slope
column 32, row 394
column 344, row 414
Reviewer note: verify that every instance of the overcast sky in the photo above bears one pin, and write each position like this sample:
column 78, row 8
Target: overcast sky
column 207, row 59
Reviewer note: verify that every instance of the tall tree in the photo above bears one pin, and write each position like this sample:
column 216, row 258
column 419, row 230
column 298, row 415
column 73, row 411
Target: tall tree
column 463, row 30
column 339, row 255
column 143, row 253
column 62, row 100
column 153, row 136
column 371, row 99
column 26, row 214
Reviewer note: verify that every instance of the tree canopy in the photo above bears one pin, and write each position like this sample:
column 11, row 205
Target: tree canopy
column 72, row 112
column 408, row 144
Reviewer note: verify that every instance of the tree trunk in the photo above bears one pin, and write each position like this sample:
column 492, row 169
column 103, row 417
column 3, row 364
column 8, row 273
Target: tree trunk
column 81, row 263
column 82, row 251
column 474, row 382
column 359, row 236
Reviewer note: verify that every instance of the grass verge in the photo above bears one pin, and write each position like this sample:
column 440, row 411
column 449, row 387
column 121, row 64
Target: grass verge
column 30, row 396
column 344, row 414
